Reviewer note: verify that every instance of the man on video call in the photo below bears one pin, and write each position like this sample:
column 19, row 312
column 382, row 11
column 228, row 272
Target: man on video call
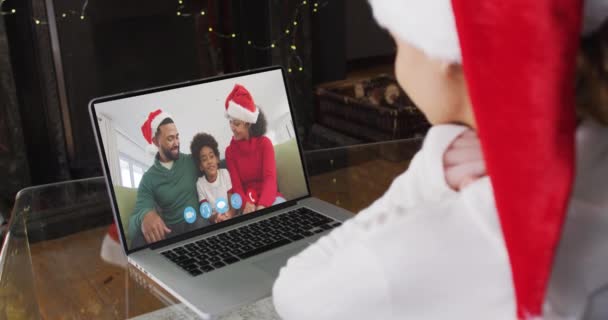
column 167, row 202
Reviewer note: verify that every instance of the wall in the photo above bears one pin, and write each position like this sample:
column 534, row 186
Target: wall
column 364, row 38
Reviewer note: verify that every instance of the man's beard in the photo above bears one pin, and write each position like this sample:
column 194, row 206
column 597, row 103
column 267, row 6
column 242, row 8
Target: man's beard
column 169, row 155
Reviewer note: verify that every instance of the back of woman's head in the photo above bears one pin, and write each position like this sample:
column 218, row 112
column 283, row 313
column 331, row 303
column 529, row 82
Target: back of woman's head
column 592, row 76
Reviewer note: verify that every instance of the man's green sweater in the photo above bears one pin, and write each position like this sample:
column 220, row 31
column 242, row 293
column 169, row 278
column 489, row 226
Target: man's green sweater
column 171, row 191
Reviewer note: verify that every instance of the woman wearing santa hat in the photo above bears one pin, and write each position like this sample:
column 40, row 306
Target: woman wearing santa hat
column 489, row 250
column 250, row 155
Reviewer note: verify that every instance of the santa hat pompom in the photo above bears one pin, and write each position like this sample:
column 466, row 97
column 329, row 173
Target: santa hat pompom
column 427, row 25
column 150, row 126
column 240, row 105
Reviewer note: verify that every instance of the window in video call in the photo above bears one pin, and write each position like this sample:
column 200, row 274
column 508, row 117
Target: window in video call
column 190, row 157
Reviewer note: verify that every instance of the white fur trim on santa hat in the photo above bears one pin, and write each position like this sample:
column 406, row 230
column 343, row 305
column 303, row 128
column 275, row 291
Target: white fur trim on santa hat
column 152, row 149
column 157, row 120
column 428, row 25
column 237, row 111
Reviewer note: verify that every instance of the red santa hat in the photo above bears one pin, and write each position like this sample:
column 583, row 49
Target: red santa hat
column 150, row 126
column 240, row 105
column 518, row 58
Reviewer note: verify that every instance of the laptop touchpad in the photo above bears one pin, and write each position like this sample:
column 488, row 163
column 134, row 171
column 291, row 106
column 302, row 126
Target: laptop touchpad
column 273, row 263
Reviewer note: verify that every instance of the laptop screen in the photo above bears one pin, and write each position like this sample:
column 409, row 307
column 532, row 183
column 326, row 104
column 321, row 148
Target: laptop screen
column 198, row 154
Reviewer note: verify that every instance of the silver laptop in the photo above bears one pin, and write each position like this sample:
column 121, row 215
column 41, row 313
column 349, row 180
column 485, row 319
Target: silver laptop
column 215, row 257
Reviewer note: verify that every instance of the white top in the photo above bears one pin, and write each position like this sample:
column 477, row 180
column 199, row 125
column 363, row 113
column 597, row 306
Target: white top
column 210, row 191
column 424, row 251
column 168, row 164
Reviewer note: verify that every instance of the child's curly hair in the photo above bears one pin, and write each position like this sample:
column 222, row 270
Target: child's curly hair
column 199, row 141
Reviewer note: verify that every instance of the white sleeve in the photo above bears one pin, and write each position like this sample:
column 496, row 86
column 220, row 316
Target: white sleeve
column 199, row 189
column 333, row 279
column 227, row 180
column 424, row 179
column 338, row 275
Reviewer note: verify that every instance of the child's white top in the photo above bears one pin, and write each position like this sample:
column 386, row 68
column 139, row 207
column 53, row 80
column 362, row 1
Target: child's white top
column 210, row 191
column 424, row 251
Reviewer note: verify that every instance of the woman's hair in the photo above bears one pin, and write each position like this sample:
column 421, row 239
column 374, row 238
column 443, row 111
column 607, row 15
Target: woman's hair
column 592, row 76
column 258, row 128
column 199, row 141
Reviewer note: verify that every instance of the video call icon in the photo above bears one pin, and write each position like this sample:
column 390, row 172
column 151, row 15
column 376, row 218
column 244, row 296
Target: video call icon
column 205, row 210
column 221, row 205
column 236, row 201
column 189, row 215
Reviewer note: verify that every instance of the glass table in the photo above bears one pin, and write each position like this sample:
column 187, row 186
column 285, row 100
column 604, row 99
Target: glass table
column 50, row 265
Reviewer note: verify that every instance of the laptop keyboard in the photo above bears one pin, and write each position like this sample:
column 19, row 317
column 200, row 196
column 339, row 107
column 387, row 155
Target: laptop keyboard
column 223, row 249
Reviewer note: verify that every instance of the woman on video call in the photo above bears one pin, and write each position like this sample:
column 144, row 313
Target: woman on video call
column 250, row 155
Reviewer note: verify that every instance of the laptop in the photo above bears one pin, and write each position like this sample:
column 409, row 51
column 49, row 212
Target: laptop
column 211, row 265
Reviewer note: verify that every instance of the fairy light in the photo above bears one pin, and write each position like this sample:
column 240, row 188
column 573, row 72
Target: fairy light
column 13, row 11
column 288, row 36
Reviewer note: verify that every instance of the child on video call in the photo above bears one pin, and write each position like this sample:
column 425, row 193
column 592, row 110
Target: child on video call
column 447, row 241
column 214, row 183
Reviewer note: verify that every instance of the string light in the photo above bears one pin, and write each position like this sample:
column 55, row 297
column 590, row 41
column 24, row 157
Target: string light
column 294, row 61
column 289, row 70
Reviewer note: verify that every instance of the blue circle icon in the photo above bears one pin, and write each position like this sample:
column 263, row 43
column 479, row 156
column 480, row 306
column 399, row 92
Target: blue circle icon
column 189, row 215
column 205, row 210
column 236, row 201
column 221, row 205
